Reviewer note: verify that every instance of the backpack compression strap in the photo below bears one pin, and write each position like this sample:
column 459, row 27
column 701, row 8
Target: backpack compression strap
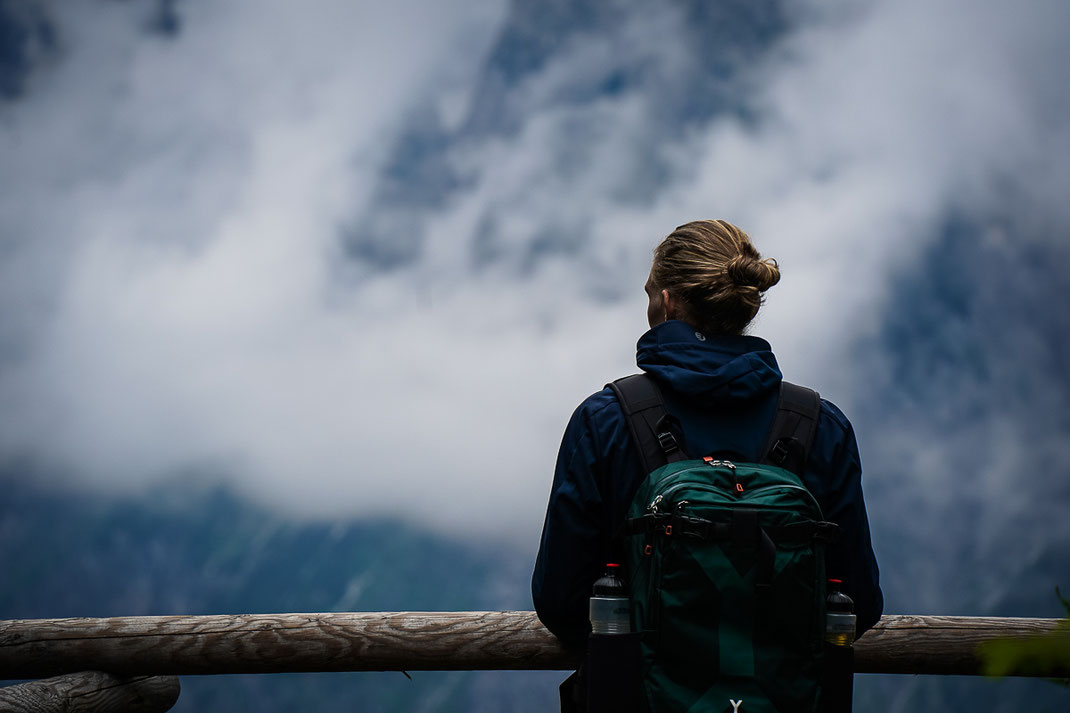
column 650, row 425
column 793, row 428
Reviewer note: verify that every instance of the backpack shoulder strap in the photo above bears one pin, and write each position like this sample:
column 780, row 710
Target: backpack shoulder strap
column 792, row 434
column 649, row 423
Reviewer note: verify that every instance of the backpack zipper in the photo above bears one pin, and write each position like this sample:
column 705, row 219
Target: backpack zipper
column 699, row 485
column 788, row 486
column 652, row 507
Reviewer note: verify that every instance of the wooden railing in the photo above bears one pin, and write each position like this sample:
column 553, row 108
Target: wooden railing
column 133, row 648
column 92, row 692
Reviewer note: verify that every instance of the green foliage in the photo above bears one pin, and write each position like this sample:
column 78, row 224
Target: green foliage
column 1041, row 655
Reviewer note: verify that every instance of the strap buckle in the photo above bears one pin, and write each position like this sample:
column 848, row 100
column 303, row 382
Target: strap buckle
column 778, row 454
column 667, row 441
column 826, row 531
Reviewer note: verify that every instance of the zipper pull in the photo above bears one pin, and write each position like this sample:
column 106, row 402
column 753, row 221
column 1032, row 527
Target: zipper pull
column 725, row 464
column 653, row 506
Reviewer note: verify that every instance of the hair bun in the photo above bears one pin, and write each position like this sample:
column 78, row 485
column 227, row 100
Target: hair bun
column 718, row 274
column 745, row 271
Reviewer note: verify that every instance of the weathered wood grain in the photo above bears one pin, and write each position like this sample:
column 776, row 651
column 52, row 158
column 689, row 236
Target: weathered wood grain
column 275, row 643
column 944, row 645
column 414, row 641
column 91, row 692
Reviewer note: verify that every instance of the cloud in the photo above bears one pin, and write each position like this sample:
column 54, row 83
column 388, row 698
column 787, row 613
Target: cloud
column 367, row 261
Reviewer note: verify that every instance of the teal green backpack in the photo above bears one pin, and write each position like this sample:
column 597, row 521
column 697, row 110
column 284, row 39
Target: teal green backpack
column 725, row 563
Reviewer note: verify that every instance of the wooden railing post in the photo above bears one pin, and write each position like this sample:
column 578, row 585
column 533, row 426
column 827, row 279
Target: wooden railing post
column 92, row 692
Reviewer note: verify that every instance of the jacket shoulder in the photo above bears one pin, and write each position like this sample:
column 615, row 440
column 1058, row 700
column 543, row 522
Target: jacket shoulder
column 832, row 412
column 592, row 424
column 596, row 404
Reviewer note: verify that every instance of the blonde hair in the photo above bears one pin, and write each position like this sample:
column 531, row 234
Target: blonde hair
column 713, row 268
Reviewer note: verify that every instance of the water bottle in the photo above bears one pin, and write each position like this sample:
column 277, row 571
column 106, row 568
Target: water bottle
column 611, row 609
column 613, row 652
column 839, row 616
column 837, row 685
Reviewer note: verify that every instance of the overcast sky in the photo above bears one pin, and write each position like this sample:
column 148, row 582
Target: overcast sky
column 357, row 258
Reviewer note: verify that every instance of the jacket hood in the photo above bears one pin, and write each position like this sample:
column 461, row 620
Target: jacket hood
column 723, row 368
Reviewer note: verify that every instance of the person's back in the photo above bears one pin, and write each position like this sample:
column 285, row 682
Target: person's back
column 705, row 286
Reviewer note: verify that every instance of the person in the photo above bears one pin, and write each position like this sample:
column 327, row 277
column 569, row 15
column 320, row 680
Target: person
column 706, row 284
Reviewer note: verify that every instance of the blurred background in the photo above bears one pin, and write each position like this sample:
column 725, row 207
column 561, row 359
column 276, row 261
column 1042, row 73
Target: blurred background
column 297, row 298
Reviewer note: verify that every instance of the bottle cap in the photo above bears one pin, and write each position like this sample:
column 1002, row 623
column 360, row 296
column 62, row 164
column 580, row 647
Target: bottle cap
column 837, row 601
column 610, row 584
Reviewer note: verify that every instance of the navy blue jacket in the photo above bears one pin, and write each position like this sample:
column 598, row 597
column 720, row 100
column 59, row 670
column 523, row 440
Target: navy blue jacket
column 724, row 392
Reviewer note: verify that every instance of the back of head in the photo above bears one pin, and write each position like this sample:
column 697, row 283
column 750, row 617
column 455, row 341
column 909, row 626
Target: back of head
column 712, row 267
